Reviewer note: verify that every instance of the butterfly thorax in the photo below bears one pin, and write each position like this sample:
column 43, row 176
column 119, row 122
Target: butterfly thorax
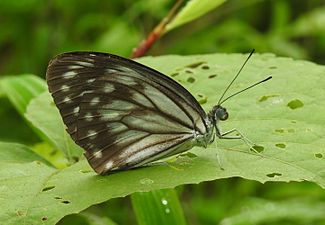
column 214, row 116
column 207, row 138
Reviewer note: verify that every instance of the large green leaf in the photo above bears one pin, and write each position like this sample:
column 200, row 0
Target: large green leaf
column 284, row 116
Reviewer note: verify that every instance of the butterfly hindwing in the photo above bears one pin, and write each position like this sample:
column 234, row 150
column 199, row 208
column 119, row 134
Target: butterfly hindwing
column 122, row 113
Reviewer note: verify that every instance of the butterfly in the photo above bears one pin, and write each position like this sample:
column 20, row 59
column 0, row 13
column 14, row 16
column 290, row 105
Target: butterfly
column 125, row 114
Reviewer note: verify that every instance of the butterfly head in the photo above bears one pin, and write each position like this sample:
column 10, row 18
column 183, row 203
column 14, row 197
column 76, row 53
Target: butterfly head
column 219, row 113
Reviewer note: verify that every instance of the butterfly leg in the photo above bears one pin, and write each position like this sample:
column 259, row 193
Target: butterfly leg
column 248, row 142
column 219, row 157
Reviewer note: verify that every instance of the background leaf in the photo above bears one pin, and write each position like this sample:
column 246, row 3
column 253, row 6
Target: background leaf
column 191, row 11
column 275, row 115
column 17, row 153
column 158, row 207
column 259, row 211
column 43, row 114
column 21, row 89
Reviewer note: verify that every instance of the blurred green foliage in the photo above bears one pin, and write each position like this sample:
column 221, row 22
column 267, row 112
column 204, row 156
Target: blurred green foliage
column 34, row 31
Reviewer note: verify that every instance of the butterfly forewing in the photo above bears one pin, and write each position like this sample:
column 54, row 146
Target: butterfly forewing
column 122, row 113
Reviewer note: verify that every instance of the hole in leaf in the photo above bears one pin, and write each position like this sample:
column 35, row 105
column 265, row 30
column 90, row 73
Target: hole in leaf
column 273, row 67
column 280, row 145
column 191, row 80
column 205, row 67
column 57, row 197
column 194, row 65
column 281, row 130
column 48, row 188
column 212, row 76
column 146, row 181
column 295, row 104
column 174, row 74
column 189, row 155
column 75, row 159
column 65, row 201
column 318, row 155
column 258, row 148
column 44, row 218
column 21, row 213
column 266, row 97
column 188, row 71
column 85, row 171
column 202, row 99
column 274, row 175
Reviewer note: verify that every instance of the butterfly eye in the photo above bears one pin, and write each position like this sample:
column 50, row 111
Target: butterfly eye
column 220, row 113
column 224, row 116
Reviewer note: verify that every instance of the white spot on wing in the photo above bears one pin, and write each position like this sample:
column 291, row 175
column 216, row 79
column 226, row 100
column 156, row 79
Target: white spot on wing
column 105, row 116
column 72, row 67
column 94, row 101
column 98, row 154
column 87, row 92
column 65, row 88
column 67, row 100
column 109, row 165
column 76, row 110
column 127, row 80
column 111, row 71
column 92, row 134
column 108, row 88
column 90, row 59
column 88, row 117
column 91, row 80
column 69, row 74
column 86, row 64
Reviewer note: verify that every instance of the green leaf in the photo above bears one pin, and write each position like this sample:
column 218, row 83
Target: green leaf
column 21, row 89
column 158, row 207
column 94, row 219
column 86, row 218
column 260, row 211
column 193, row 10
column 291, row 138
column 43, row 114
column 20, row 185
column 310, row 24
column 17, row 153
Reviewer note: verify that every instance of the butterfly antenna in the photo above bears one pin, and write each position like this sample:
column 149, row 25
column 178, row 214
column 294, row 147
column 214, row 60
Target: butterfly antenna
column 249, row 87
column 233, row 80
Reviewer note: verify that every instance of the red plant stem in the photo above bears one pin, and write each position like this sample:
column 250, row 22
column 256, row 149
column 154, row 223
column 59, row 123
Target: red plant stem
column 157, row 32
